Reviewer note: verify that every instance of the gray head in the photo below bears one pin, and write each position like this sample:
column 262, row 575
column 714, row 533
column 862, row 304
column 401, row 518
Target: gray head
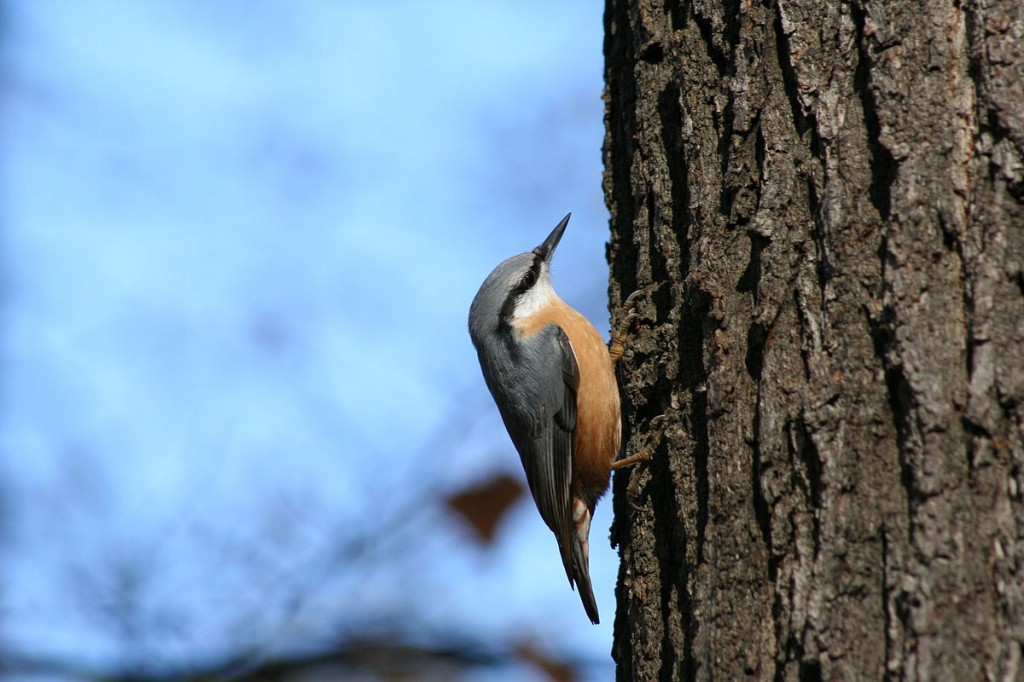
column 516, row 289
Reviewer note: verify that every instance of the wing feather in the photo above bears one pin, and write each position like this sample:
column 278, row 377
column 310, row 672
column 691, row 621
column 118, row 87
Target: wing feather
column 539, row 411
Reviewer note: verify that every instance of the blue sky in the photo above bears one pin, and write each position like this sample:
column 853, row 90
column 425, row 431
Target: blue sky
column 239, row 242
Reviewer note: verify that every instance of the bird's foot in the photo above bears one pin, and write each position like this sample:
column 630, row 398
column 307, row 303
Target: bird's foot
column 651, row 442
column 620, row 327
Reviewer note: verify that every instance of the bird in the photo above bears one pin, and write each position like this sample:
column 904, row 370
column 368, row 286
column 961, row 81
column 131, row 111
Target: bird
column 553, row 380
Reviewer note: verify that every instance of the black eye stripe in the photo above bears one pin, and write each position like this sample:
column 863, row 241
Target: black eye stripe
column 530, row 276
column 524, row 284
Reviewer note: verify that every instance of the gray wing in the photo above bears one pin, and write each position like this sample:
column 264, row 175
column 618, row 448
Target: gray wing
column 540, row 415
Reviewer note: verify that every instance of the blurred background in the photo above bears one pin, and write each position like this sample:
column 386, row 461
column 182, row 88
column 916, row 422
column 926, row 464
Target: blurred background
column 243, row 432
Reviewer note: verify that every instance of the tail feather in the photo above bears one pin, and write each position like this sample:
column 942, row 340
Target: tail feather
column 581, row 559
column 579, row 563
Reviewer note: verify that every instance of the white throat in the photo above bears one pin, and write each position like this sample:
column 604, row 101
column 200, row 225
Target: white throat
column 538, row 297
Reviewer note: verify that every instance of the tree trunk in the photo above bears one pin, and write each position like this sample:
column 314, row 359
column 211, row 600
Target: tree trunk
column 833, row 194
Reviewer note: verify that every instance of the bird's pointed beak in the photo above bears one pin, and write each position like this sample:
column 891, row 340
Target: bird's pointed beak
column 546, row 249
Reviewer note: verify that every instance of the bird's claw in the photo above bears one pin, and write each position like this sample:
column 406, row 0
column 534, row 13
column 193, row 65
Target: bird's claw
column 656, row 429
column 620, row 330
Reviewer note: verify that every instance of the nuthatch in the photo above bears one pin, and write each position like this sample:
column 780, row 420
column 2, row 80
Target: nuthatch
column 551, row 375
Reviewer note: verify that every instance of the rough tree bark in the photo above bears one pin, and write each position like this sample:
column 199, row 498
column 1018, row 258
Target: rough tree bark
column 833, row 193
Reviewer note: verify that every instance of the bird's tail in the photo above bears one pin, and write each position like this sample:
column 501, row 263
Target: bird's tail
column 581, row 558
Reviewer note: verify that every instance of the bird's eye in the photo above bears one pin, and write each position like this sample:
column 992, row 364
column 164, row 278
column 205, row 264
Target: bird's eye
column 529, row 279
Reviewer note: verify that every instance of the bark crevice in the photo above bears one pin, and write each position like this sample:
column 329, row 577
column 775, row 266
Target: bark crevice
column 883, row 165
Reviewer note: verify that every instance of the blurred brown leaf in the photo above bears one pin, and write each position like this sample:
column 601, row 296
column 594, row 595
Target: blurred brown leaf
column 558, row 672
column 483, row 505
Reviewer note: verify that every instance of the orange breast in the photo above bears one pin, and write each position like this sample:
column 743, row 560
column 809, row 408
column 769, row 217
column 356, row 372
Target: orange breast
column 598, row 420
